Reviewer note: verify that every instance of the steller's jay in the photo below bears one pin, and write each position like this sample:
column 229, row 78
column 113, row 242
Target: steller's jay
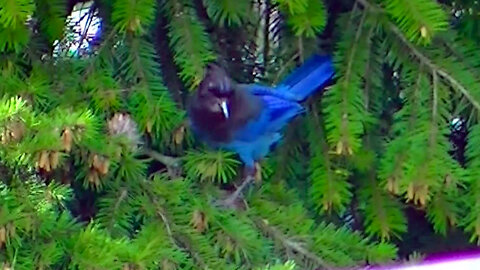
column 247, row 118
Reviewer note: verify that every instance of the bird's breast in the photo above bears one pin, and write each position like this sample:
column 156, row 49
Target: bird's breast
column 244, row 110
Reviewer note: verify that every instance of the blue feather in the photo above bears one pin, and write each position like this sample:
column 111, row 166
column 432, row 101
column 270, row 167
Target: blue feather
column 303, row 81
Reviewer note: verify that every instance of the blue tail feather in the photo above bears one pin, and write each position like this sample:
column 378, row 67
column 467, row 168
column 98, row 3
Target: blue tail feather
column 307, row 78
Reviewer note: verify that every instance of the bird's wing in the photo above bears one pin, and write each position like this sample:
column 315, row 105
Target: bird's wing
column 280, row 92
column 275, row 114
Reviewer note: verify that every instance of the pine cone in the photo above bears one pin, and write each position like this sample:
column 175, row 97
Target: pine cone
column 121, row 124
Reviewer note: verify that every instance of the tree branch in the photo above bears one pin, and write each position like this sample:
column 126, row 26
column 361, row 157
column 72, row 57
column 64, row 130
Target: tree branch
column 173, row 162
column 230, row 201
column 176, row 238
column 423, row 58
column 292, row 245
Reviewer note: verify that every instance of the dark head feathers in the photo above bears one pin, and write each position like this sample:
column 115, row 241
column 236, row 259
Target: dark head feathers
column 216, row 81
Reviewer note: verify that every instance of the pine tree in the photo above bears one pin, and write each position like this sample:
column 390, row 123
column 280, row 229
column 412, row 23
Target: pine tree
column 101, row 171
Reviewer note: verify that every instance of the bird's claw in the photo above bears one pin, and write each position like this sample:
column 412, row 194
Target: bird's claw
column 255, row 172
column 251, row 174
column 258, row 172
column 231, row 200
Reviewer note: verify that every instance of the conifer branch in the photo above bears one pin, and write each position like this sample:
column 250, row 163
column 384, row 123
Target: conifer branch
column 230, row 201
column 427, row 61
column 423, row 58
column 435, row 97
column 175, row 163
column 166, row 222
column 168, row 161
column 292, row 245
column 121, row 198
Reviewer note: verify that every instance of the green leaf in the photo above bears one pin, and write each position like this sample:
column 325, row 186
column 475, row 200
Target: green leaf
column 14, row 13
column 419, row 20
column 228, row 13
column 311, row 21
column 211, row 165
column 133, row 15
column 189, row 41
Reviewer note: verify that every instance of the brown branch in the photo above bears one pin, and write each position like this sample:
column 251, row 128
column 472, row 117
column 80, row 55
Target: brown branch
column 423, row 58
column 229, row 202
column 172, row 162
column 123, row 195
column 292, row 245
column 176, row 238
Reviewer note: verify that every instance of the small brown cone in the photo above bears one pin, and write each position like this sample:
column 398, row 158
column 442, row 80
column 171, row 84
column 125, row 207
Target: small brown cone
column 6, row 266
column 168, row 265
column 423, row 32
column 67, row 138
column 410, row 192
column 44, row 162
column 96, row 162
column 339, row 148
column 3, row 236
column 199, row 221
column 134, row 25
column 11, row 229
column 17, row 130
column 93, row 177
column 5, row 137
column 123, row 124
column 54, row 157
column 149, row 126
column 392, row 185
column 104, row 165
column 179, row 135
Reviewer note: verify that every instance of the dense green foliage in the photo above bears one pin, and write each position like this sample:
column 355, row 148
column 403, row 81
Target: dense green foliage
column 100, row 170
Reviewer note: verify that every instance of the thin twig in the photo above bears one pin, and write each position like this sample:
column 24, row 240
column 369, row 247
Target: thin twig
column 284, row 66
column 168, row 161
column 230, row 201
column 175, row 164
column 123, row 195
column 91, row 12
column 435, row 97
column 175, row 237
column 167, row 225
column 292, row 245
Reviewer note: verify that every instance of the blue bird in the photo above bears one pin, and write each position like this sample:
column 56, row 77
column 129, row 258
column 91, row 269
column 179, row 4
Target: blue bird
column 248, row 118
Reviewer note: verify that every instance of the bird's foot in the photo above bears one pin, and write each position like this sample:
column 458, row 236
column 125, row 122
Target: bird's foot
column 255, row 172
column 250, row 174
column 258, row 172
column 231, row 200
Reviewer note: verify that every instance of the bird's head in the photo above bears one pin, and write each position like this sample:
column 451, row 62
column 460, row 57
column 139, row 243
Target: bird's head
column 217, row 90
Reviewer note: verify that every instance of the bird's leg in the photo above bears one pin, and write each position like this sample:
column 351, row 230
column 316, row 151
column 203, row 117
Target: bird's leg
column 230, row 200
column 258, row 172
column 255, row 171
column 250, row 174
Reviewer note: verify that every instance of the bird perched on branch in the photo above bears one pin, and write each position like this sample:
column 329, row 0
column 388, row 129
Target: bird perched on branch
column 248, row 118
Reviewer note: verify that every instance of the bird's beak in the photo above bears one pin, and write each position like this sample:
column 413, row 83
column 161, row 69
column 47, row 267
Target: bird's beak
column 223, row 105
